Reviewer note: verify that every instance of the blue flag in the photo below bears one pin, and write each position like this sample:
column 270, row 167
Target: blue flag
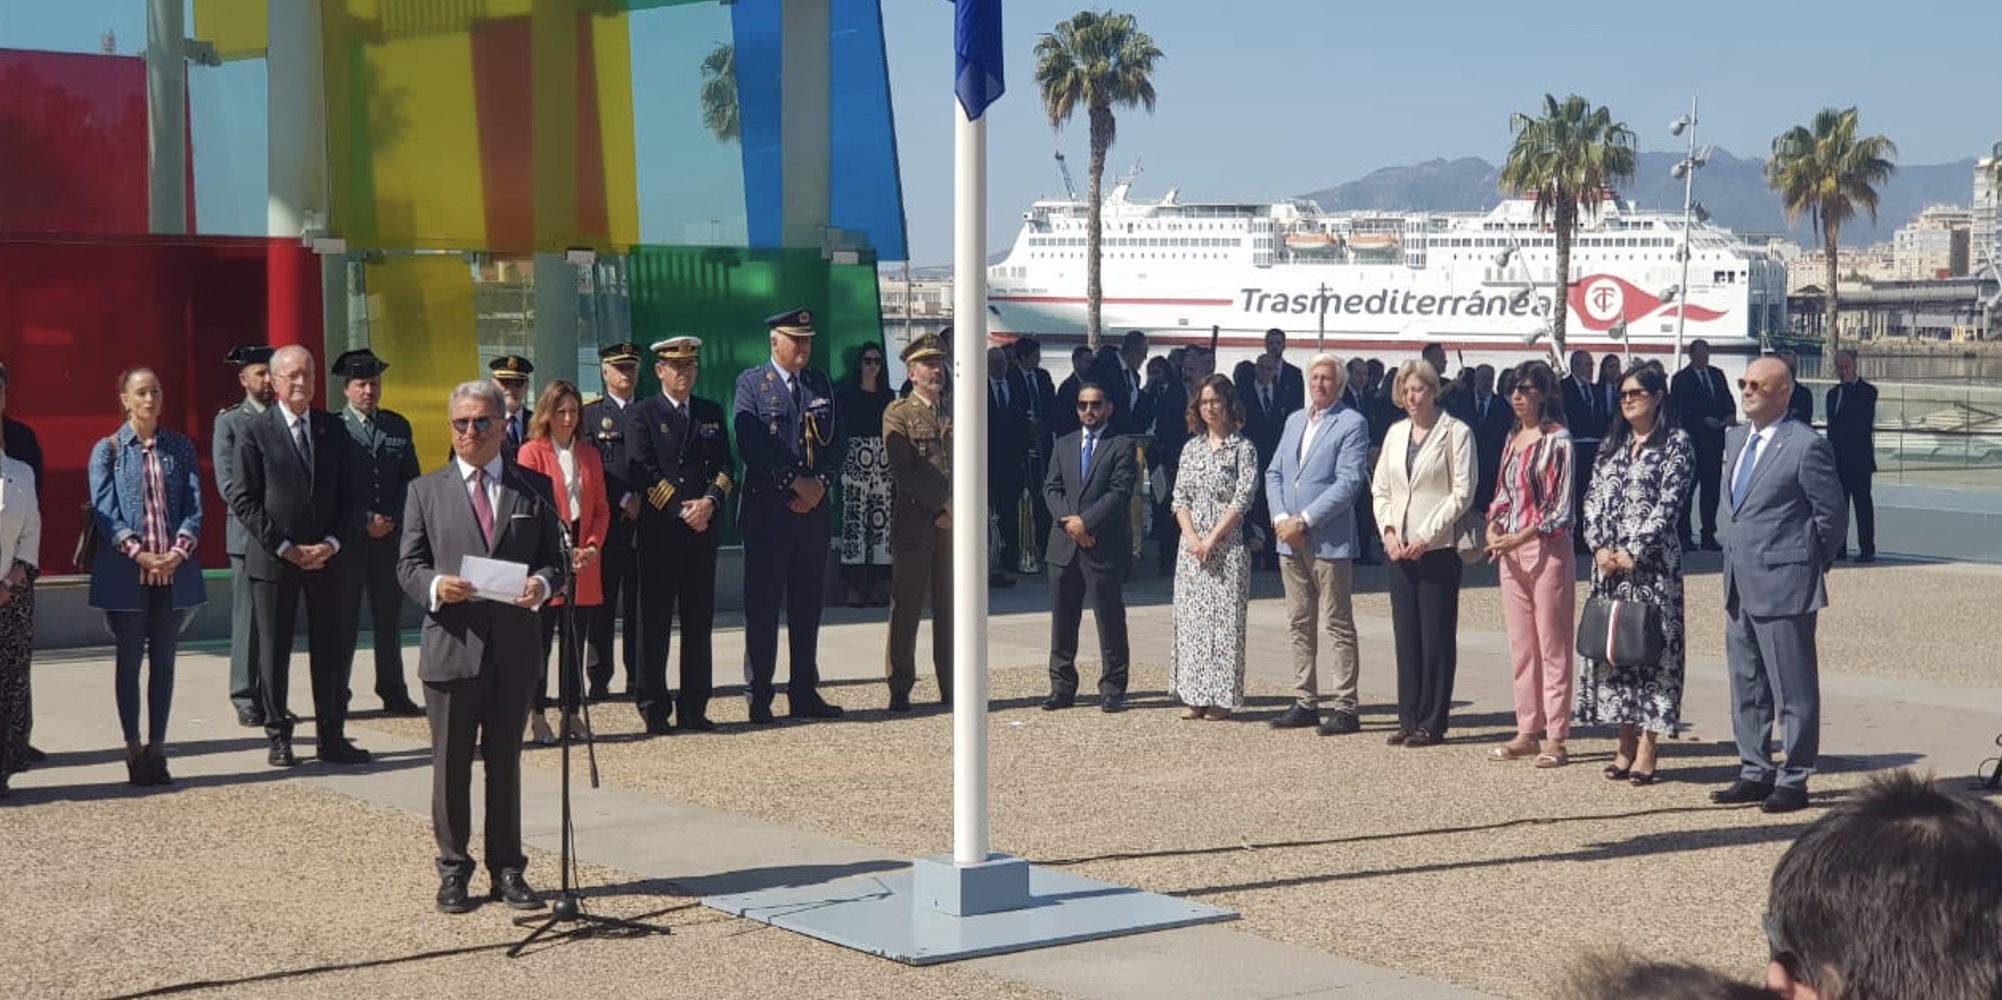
column 976, row 49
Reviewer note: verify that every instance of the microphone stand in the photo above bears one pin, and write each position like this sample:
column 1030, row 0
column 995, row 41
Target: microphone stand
column 568, row 906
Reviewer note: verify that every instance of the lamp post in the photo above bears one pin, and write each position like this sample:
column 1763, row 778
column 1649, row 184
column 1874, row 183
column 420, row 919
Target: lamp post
column 1514, row 253
column 1685, row 171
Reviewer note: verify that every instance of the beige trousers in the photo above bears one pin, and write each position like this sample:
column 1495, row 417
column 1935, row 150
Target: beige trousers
column 1318, row 590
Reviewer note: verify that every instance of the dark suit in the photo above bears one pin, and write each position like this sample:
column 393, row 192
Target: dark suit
column 1063, row 419
column 1585, row 416
column 387, row 455
column 1164, row 454
column 1038, row 396
column 604, row 426
column 1008, row 440
column 1289, row 390
column 1491, row 424
column 1262, row 427
column 245, row 649
column 517, row 432
column 1800, row 405
column 677, row 457
column 283, row 503
column 479, row 659
column 1101, row 497
column 1691, row 400
column 785, row 554
column 1852, row 422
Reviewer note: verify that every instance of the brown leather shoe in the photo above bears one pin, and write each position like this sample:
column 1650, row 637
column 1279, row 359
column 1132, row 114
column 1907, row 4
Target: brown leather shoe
column 1423, row 738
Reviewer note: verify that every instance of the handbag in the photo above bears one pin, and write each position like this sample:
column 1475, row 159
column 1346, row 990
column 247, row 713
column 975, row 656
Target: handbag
column 1623, row 633
column 86, row 538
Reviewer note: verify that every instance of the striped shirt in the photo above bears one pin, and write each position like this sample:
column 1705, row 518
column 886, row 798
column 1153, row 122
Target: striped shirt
column 1534, row 485
column 155, row 534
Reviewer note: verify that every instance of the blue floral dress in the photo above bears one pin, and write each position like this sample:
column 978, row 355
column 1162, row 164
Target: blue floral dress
column 1632, row 506
column 1206, row 667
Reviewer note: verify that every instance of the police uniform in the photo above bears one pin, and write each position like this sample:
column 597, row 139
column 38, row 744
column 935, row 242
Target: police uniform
column 679, row 455
column 512, row 368
column 787, row 428
column 605, row 427
column 387, row 454
column 244, row 688
column 918, row 437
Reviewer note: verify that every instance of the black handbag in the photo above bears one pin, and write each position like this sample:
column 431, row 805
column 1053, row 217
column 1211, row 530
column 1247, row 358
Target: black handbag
column 1620, row 632
column 86, row 539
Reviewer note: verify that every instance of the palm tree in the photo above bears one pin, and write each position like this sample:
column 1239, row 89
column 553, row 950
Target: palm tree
column 719, row 93
column 1572, row 153
column 1824, row 170
column 1097, row 60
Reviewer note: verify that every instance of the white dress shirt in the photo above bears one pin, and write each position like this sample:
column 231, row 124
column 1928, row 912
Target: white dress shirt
column 492, row 485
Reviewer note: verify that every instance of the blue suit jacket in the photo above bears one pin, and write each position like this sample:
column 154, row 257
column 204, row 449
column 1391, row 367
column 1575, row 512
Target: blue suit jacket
column 772, row 434
column 1323, row 488
column 1787, row 528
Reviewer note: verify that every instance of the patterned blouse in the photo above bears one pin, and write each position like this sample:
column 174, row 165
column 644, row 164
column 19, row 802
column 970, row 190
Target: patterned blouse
column 155, row 535
column 1534, row 485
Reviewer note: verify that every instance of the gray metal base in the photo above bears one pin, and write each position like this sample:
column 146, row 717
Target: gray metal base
column 882, row 915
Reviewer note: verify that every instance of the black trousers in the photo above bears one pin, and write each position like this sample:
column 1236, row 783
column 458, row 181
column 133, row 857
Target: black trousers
column 1072, row 586
column 1004, row 502
column 1709, row 449
column 275, row 605
column 678, row 575
column 370, row 593
column 1856, row 491
column 1039, row 468
column 785, row 566
column 553, row 622
column 619, row 568
column 1584, row 454
column 488, row 710
column 1425, row 621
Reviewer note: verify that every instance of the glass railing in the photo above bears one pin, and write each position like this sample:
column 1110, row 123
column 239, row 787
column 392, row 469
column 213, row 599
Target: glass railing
column 1933, row 435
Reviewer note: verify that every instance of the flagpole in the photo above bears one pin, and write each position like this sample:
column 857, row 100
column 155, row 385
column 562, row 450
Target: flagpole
column 969, row 490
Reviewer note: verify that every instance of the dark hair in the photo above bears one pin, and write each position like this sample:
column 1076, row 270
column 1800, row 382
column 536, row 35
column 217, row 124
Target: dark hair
column 546, row 404
column 1133, row 338
column 1163, row 375
column 855, row 367
column 1537, row 375
column 1619, row 431
column 1084, row 349
column 1227, row 391
column 1619, row 977
column 1894, row 893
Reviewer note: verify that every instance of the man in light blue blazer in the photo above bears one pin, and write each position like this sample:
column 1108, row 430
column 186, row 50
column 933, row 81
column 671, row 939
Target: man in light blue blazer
column 1312, row 486
column 1788, row 523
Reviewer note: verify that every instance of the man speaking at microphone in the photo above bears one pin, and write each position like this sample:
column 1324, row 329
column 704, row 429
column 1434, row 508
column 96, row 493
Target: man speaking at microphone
column 479, row 658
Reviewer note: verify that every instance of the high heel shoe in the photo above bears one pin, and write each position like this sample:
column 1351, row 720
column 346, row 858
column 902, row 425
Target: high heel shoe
column 579, row 730
column 538, row 724
column 1642, row 779
column 137, row 769
column 1615, row 772
column 154, row 759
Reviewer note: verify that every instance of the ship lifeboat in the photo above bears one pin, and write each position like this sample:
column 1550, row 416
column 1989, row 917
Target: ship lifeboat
column 1310, row 242
column 1372, row 242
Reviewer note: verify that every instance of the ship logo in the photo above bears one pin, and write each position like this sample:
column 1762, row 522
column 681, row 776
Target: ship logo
column 1603, row 301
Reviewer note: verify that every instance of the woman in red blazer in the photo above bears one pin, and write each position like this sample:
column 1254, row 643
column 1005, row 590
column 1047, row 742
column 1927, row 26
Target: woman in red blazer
column 577, row 474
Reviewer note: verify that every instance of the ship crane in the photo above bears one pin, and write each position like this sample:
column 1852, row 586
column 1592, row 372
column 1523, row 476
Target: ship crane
column 1064, row 170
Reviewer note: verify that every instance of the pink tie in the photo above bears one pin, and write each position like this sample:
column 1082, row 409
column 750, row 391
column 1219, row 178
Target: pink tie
column 483, row 508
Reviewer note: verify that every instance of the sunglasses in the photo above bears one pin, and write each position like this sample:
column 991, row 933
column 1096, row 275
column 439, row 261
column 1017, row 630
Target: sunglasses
column 1090, row 404
column 1627, row 394
column 478, row 425
column 1758, row 384
column 872, row 361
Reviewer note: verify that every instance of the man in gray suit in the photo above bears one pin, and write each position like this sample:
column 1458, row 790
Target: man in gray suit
column 1088, row 489
column 479, row 658
column 1312, row 485
column 1787, row 524
column 253, row 372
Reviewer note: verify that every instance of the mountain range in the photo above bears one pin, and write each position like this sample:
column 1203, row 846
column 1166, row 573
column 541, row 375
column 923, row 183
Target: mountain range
column 1733, row 189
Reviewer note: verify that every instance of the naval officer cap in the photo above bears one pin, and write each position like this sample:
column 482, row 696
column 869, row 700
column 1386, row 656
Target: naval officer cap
column 624, row 352
column 792, row 323
column 923, row 347
column 682, row 348
column 359, row 364
column 512, row 368
column 249, row 354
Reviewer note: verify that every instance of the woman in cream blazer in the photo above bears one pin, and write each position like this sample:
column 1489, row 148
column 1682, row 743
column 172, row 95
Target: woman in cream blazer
column 1421, row 490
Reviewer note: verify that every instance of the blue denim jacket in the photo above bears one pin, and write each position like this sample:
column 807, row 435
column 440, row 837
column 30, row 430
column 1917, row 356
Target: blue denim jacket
column 118, row 503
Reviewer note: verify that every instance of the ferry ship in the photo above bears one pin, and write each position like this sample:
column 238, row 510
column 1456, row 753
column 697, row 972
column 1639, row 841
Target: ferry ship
column 1381, row 284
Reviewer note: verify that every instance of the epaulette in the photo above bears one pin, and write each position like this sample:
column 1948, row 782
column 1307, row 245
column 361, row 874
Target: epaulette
column 723, row 483
column 593, row 398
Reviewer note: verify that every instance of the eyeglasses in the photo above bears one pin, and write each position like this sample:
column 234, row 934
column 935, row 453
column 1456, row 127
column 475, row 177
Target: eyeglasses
column 478, row 425
column 872, row 361
column 1090, row 404
column 1627, row 394
column 1759, row 385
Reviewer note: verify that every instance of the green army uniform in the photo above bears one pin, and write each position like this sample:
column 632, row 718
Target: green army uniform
column 918, row 438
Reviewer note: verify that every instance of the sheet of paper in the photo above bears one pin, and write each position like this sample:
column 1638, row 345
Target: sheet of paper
column 495, row 579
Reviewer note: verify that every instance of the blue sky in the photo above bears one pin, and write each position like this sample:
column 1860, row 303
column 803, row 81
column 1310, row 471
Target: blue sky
column 1280, row 97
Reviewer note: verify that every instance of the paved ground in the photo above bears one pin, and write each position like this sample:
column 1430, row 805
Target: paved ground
column 1419, row 873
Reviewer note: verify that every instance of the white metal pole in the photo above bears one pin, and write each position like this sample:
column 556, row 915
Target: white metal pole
column 166, row 118
column 1688, row 247
column 969, row 490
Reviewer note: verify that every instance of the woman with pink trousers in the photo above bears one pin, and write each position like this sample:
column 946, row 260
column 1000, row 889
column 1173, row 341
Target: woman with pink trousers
column 1529, row 536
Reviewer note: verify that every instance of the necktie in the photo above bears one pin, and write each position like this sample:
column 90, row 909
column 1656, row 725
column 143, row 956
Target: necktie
column 483, row 507
column 1836, row 407
column 1745, row 467
column 305, row 443
column 1132, row 388
column 1484, row 409
column 1265, row 399
column 1703, row 375
column 798, row 403
column 1090, row 441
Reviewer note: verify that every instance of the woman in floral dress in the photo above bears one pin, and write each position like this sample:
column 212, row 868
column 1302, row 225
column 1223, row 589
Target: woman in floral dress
column 1217, row 481
column 865, row 482
column 1640, row 482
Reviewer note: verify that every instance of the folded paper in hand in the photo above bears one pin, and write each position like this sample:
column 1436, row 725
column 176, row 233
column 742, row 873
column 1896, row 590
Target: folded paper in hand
column 495, row 579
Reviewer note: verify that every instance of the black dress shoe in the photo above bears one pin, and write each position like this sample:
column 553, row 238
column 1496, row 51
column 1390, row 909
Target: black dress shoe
column 281, row 753
column 401, row 705
column 452, row 897
column 34, row 755
column 761, row 715
column 1784, row 800
column 815, row 709
column 599, row 692
column 1057, row 701
column 1712, row 545
column 1741, row 792
column 1296, row 716
column 1423, row 738
column 1397, row 738
column 659, row 727
column 900, row 703
column 250, row 718
column 512, row 889
column 1866, row 558
column 1112, row 703
column 337, row 750
column 1340, row 724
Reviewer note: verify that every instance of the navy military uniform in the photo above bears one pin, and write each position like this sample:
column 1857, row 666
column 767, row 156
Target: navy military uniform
column 918, row 437
column 788, row 429
column 680, row 455
column 605, row 427
column 244, row 687
column 387, row 452
column 511, row 371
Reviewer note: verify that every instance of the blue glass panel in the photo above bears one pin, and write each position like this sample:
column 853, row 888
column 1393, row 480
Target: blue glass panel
column 868, row 192
column 755, row 25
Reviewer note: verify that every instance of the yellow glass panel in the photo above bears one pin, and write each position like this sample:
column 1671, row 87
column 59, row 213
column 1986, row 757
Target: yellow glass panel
column 423, row 141
column 421, row 321
column 612, row 49
column 237, row 28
